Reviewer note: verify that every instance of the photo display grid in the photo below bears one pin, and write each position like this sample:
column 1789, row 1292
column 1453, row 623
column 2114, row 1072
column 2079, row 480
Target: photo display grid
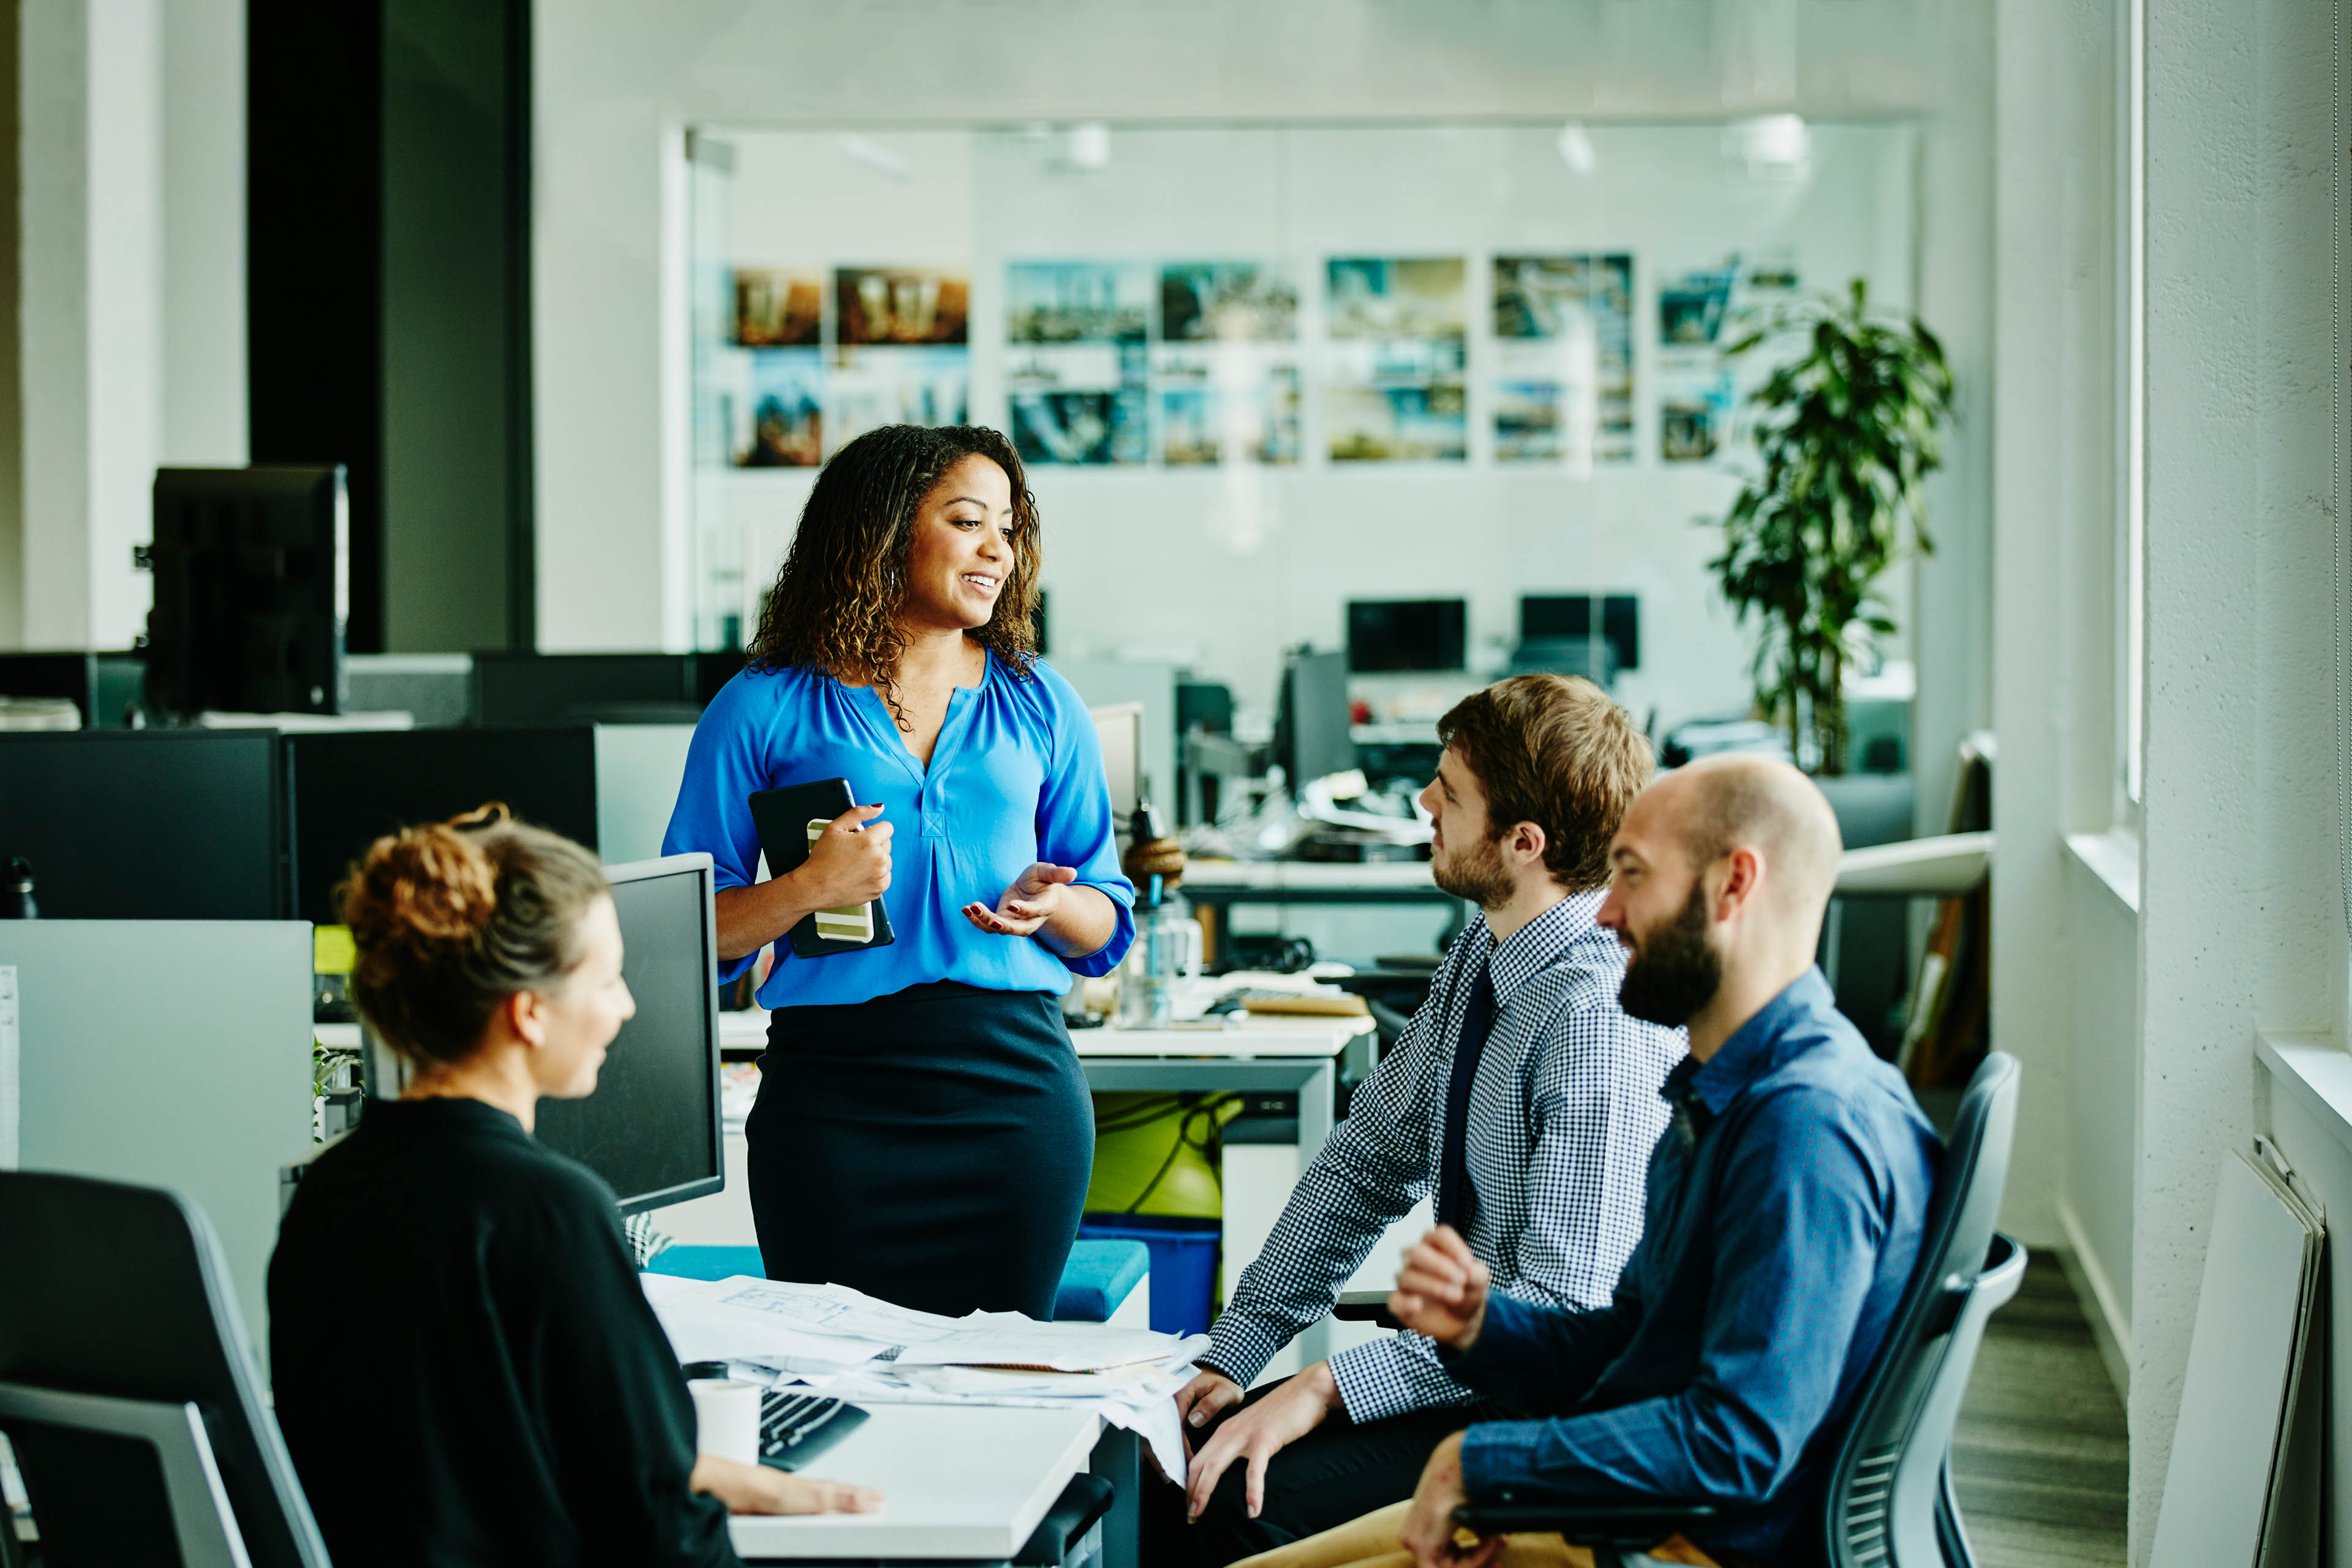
column 1200, row 363
column 1701, row 310
column 817, row 357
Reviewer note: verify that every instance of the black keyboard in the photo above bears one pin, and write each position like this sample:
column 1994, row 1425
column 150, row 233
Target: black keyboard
column 795, row 1426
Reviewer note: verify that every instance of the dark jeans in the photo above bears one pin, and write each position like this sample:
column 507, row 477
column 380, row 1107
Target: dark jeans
column 1338, row 1472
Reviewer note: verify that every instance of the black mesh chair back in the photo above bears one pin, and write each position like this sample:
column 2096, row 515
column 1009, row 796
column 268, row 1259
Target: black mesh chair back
column 122, row 1293
column 1888, row 1496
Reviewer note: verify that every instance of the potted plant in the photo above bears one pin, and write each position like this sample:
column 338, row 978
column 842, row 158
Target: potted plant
column 1848, row 431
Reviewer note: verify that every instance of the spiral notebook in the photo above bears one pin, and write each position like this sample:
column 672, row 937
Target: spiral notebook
column 789, row 821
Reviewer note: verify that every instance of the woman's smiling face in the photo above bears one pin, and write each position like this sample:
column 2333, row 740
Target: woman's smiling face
column 962, row 553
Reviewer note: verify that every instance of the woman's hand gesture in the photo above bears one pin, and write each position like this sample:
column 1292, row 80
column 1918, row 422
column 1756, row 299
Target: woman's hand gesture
column 1034, row 898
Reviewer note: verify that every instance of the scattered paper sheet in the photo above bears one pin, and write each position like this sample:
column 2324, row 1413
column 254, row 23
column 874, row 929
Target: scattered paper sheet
column 854, row 1347
column 1054, row 1347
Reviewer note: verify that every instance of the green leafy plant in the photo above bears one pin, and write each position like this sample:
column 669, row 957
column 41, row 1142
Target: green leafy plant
column 1848, row 431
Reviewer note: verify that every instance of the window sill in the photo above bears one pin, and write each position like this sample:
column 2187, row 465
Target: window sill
column 2112, row 857
column 2316, row 1074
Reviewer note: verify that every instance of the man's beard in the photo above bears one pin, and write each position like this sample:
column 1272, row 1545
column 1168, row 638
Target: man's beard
column 1478, row 875
column 1674, row 971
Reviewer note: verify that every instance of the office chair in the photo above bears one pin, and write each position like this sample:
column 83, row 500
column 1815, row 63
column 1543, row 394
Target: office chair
column 1887, row 1501
column 127, row 1390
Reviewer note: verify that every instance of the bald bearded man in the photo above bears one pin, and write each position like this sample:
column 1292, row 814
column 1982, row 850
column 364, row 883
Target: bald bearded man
column 1786, row 1203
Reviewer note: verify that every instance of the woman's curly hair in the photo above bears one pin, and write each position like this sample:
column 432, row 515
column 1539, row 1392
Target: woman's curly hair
column 838, row 594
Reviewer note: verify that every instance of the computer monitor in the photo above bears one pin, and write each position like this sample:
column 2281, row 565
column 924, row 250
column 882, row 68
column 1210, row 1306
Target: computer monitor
column 1555, row 617
column 652, row 1127
column 70, row 676
column 1385, row 635
column 1119, row 727
column 612, row 688
column 1310, row 726
column 1562, row 617
column 252, row 590
column 348, row 790
column 147, row 823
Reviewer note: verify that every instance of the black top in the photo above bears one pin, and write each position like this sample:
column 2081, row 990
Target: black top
column 467, row 1370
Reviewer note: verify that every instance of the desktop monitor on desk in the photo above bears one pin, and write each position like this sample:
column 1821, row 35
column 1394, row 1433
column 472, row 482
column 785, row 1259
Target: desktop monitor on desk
column 252, row 590
column 104, row 688
column 1118, row 727
column 1417, row 636
column 1548, row 620
column 148, row 825
column 1311, row 737
column 651, row 1129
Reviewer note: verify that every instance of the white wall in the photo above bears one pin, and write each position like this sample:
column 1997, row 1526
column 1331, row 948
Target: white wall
column 1221, row 568
column 616, row 82
column 91, row 211
column 131, row 349
column 2241, row 925
column 2057, row 516
column 204, row 406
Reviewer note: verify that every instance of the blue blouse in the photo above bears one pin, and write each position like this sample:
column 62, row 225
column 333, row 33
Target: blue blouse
column 1016, row 777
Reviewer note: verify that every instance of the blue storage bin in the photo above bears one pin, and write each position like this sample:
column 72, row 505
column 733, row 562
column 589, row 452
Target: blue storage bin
column 1098, row 1277
column 708, row 1262
column 1183, row 1263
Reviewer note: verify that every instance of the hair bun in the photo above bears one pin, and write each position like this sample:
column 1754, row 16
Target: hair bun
column 430, row 885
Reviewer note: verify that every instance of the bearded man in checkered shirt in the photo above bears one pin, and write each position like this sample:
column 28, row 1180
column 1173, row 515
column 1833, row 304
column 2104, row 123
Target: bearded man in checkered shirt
column 1521, row 1099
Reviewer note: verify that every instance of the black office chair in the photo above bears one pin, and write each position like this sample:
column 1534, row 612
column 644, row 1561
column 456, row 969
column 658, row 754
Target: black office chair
column 1887, row 1501
column 127, row 1390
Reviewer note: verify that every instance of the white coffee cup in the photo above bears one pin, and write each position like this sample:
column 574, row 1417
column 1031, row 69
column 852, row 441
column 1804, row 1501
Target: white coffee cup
column 726, row 1418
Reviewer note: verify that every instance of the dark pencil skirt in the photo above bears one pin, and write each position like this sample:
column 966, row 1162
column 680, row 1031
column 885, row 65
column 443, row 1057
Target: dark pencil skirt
column 931, row 1147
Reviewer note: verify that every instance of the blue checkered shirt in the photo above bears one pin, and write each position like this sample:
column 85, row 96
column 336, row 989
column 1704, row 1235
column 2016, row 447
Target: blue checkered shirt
column 1563, row 1114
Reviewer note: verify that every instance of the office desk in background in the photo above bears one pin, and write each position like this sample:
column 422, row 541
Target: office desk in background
column 1298, row 1057
column 1213, row 887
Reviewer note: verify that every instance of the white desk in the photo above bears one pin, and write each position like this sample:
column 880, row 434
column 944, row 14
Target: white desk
column 1268, row 1055
column 959, row 1482
column 1311, row 878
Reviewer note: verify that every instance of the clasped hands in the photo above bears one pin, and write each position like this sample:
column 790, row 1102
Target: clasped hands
column 1441, row 1292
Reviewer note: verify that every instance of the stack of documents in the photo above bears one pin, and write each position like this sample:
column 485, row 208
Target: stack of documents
column 854, row 1347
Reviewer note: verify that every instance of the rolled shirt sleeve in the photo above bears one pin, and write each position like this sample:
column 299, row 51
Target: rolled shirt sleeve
column 1075, row 824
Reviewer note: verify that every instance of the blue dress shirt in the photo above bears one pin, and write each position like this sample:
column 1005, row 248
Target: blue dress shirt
column 1016, row 777
column 1786, row 1203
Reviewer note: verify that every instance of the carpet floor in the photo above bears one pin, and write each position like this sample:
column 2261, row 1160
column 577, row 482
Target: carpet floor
column 2038, row 1454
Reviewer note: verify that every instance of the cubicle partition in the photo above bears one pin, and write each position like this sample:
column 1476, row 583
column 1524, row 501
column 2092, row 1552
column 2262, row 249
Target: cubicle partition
column 349, row 789
column 150, row 824
column 173, row 1052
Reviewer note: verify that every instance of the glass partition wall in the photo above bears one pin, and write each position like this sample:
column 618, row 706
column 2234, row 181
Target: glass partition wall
column 1258, row 373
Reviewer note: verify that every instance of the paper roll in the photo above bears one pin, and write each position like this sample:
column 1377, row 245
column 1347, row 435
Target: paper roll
column 726, row 1418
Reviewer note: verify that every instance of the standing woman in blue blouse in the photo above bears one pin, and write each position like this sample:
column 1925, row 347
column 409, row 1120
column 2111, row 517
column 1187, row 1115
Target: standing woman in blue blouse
column 923, row 1132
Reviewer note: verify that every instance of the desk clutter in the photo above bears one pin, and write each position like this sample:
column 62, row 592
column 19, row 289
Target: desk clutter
column 834, row 1342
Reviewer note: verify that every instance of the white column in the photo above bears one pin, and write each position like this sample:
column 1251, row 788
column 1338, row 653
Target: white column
column 2242, row 924
column 204, row 399
column 92, row 151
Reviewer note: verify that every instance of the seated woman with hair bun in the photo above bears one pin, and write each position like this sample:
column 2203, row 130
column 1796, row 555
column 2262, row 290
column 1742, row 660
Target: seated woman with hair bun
column 467, row 1370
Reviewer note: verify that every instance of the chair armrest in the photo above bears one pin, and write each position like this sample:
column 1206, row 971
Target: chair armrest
column 1631, row 1526
column 1365, row 1307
